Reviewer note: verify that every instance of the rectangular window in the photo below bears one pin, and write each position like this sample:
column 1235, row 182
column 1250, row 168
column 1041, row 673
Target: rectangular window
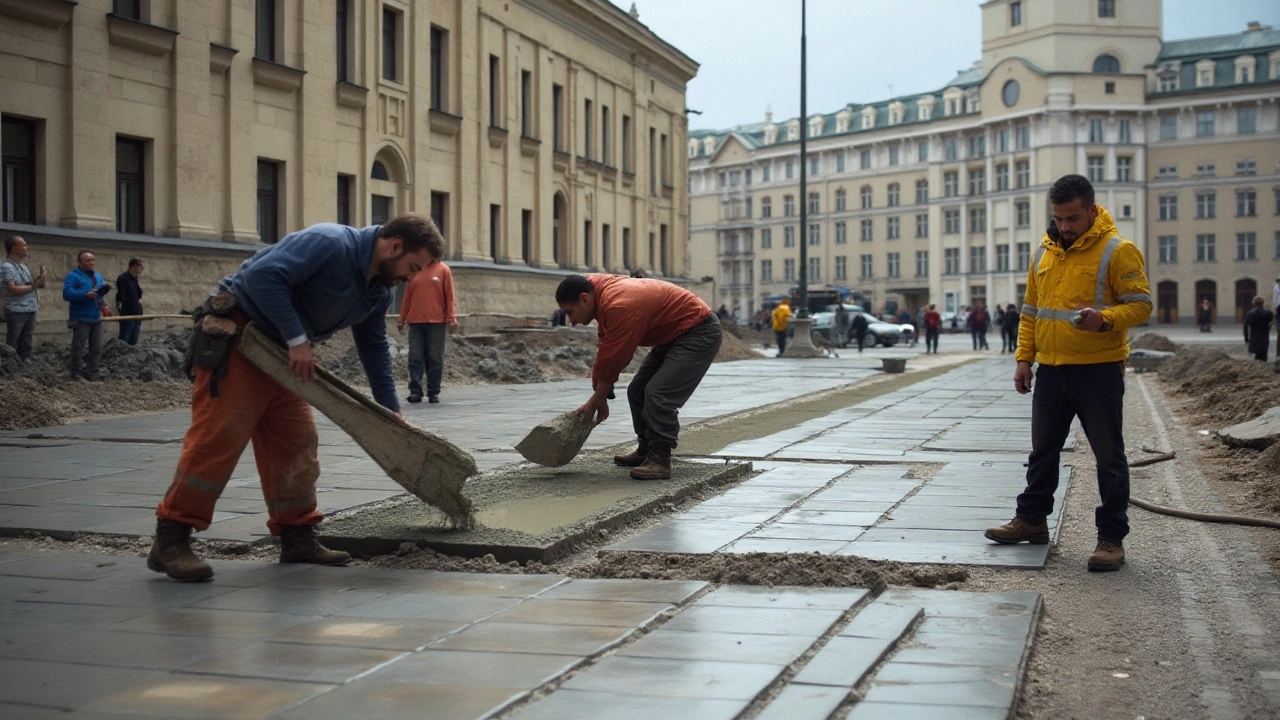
column 893, row 230
column 1277, row 201
column 653, row 161
column 1167, row 171
column 1126, row 133
column 587, row 121
column 1024, row 258
column 268, row 202
column 789, row 270
column 893, row 265
column 1206, row 168
column 440, row 212
column 342, row 50
column 495, row 231
column 526, row 240
column 815, row 166
column 765, row 174
column 842, row 267
column 380, row 209
column 766, row 238
column 1002, row 177
column 894, row 195
column 344, row 199
column 922, row 225
column 842, row 201
column 526, row 103
column 951, row 261
column 950, row 222
column 866, row 235
column 789, row 236
column 1022, row 177
column 766, row 271
column 1247, row 166
column 815, row 234
column 626, row 144
column 1246, row 246
column 1246, row 203
column 977, row 259
column 977, row 146
column 1206, row 205
column 922, row 263
column 1205, row 248
column 1204, row 123
column 663, row 161
column 1247, row 120
column 1022, row 213
column 1002, row 141
column 606, row 249
column 950, row 184
column 867, row 269
column 439, row 69
column 978, row 294
column 1168, row 207
column 1095, row 130
column 19, row 168
column 131, row 9
column 922, row 152
column 391, row 45
column 1168, row 245
column 978, row 220
column 922, row 192
column 265, row 29
column 789, row 205
column 791, row 169
column 1107, row 8
column 840, row 162
column 814, row 203
column 977, row 181
column 130, row 185
column 1124, row 169
column 815, row 269
column 953, row 149
column 557, row 117
column 842, row 235
column 1023, row 134
column 894, row 151
column 1002, row 258
column 1168, row 127
column 864, row 160
column 1096, row 165
column 1015, row 14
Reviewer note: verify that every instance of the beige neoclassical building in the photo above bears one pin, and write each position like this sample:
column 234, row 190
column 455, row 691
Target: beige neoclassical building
column 942, row 197
column 543, row 135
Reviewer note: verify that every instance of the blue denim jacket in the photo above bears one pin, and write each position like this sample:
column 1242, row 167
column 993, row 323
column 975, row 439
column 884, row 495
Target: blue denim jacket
column 75, row 286
column 314, row 283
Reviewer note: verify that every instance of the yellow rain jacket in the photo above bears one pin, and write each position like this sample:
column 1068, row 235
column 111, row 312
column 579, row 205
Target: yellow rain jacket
column 1100, row 270
column 781, row 317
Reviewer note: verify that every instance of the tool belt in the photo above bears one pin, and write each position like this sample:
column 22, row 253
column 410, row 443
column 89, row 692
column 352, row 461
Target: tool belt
column 212, row 338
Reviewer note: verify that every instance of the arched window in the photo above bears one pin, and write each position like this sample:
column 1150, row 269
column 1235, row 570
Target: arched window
column 895, row 194
column 1106, row 65
column 379, row 171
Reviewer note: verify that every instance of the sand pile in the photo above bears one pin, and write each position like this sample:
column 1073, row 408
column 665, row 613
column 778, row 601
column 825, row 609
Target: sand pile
column 1226, row 389
column 1152, row 341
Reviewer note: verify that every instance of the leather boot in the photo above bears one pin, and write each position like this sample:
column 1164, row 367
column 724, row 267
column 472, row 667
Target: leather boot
column 171, row 553
column 634, row 459
column 299, row 545
column 657, row 466
column 1018, row 530
column 1109, row 555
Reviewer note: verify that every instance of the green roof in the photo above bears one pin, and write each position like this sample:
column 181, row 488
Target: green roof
column 1244, row 43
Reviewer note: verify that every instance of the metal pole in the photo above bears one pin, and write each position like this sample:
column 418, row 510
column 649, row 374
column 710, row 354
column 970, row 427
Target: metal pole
column 803, row 310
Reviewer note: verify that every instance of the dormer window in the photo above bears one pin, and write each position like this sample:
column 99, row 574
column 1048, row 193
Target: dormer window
column 793, row 129
column 972, row 100
column 951, row 102
column 868, row 118
column 842, row 120
column 693, row 147
column 708, row 144
column 924, row 107
column 1246, row 66
column 1204, row 73
column 770, row 134
column 815, row 125
column 1167, row 76
column 896, row 112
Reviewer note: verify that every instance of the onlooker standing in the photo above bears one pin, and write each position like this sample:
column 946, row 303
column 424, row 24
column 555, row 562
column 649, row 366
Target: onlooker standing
column 860, row 325
column 428, row 309
column 1009, row 328
column 932, row 328
column 781, row 319
column 20, row 300
column 1257, row 328
column 129, row 301
column 84, row 289
column 1204, row 315
column 978, row 320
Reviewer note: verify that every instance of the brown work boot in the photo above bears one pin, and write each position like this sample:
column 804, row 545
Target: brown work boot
column 1018, row 530
column 299, row 545
column 634, row 459
column 171, row 553
column 657, row 466
column 1107, row 556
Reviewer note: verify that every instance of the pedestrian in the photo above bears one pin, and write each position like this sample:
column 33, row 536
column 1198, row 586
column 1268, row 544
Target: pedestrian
column 920, row 326
column 723, row 313
column 558, row 318
column 298, row 291
column 842, row 326
column 932, row 329
column 428, row 308
column 1204, row 315
column 977, row 322
column 860, row 325
column 1257, row 329
column 1081, row 353
column 129, row 301
column 684, row 337
column 781, row 321
column 85, row 290
column 21, row 301
column 1009, row 328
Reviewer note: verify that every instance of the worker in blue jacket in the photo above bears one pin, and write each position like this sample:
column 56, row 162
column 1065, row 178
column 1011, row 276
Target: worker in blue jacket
column 85, row 292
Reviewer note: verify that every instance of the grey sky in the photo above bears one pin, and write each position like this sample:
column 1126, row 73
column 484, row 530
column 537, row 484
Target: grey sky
column 749, row 50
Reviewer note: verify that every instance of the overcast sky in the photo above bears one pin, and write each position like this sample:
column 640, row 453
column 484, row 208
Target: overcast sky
column 749, row 50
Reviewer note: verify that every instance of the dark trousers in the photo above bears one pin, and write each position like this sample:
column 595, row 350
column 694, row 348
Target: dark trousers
column 1095, row 394
column 20, row 327
column 86, row 334
column 931, row 340
column 130, row 330
column 782, row 340
column 861, row 337
column 426, row 349
column 667, row 377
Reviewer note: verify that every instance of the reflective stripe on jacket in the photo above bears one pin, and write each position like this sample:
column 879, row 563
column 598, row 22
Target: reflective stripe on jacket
column 1100, row 270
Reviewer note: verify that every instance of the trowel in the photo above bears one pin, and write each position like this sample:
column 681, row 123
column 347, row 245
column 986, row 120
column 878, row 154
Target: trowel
column 427, row 465
column 556, row 441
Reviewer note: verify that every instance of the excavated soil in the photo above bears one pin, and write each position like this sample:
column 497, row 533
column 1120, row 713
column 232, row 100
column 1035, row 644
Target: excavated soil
column 1152, row 341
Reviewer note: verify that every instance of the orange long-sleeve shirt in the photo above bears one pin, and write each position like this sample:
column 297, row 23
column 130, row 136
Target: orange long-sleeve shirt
column 638, row 312
column 428, row 297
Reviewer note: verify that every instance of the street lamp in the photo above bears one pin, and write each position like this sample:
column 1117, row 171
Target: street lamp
column 802, row 344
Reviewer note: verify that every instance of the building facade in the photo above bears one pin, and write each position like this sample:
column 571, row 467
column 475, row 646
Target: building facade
column 542, row 135
column 942, row 197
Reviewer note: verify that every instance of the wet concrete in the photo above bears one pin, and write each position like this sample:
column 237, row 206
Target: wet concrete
column 528, row 512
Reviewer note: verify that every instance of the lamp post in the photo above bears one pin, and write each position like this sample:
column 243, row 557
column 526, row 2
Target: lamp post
column 802, row 345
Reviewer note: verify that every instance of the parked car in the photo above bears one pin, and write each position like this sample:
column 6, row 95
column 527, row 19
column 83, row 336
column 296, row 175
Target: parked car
column 878, row 331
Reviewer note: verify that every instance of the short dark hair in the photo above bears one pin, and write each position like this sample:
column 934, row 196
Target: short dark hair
column 135, row 262
column 80, row 255
column 10, row 242
column 1071, row 187
column 637, row 272
column 417, row 232
column 572, row 287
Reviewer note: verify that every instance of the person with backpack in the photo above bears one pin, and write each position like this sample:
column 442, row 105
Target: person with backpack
column 932, row 328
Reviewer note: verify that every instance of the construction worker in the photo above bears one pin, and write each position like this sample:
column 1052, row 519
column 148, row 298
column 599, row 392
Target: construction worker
column 1085, row 288
column 301, row 290
column 781, row 321
column 684, row 336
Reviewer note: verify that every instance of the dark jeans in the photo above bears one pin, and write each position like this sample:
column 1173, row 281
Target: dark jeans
column 90, row 334
column 861, row 337
column 130, row 330
column 426, row 347
column 1095, row 394
column 667, row 377
column 20, row 328
column 782, row 340
column 931, row 340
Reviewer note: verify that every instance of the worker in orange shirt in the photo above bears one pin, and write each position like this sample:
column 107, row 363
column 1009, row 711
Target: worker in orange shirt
column 429, row 311
column 684, row 336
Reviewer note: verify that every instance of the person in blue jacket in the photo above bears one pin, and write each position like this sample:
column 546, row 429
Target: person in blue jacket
column 85, row 292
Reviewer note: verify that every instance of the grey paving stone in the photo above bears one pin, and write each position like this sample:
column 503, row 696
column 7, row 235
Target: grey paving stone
column 583, row 612
column 723, row 647
column 800, row 598
column 125, row 650
column 969, row 640
column 463, row 583
column 758, row 620
column 910, row 711
column 881, row 619
column 844, row 661
column 803, row 516
column 131, row 590
column 675, row 592
column 806, row 531
column 678, row 536
column 577, row 640
column 426, row 606
column 291, row 661
column 1012, row 556
column 967, row 604
column 62, row 685
column 402, row 701
column 201, row 696
column 804, row 702
column 288, row 600
column 402, row 635
column 69, row 566
column 752, row 544
column 238, row 624
column 474, row 669
column 681, row 678
column 985, row 693
column 1015, row 625
column 568, row 704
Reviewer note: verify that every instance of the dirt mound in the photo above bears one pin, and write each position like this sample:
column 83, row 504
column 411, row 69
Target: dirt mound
column 733, row 347
column 1152, row 341
column 155, row 358
column 1227, row 390
column 1190, row 362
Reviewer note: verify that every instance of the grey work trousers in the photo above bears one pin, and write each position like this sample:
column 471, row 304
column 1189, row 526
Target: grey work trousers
column 667, row 377
column 20, row 327
column 426, row 349
column 86, row 333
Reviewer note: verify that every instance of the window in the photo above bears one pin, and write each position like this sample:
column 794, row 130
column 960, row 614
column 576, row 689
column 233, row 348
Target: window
column 1002, row 138
column 1168, row 248
column 1168, row 81
column 978, row 294
column 922, row 263
column 842, row 235
column 1095, row 166
column 557, row 117
column 865, row 196
column 1109, row 87
column 815, row 166
column 1206, row 168
column 131, row 9
column 1247, row 120
column 864, row 160
column 950, row 222
column 866, row 231
column 867, row 268
column 665, row 165
column 130, row 185
column 815, row 234
column 1168, row 127
column 1002, row 177
column 526, row 103
column 922, row 192
column 1002, row 258
column 1246, row 246
column 977, row 181
column 19, row 151
column 1107, row 8
column 977, row 146
column 1024, row 260
column 380, row 209
column 440, row 69
column 1015, row 14
column 1022, row 211
column 764, row 173
column 922, row 152
column 1023, row 136
column 953, row 149
column 627, row 165
column 977, row 220
column 344, row 199
column 1022, row 179
column 766, row 238
column 1247, row 166
column 342, row 50
column 269, row 201
column 789, row 270
column 791, row 169
column 1124, row 169
column 1204, row 123
column 766, row 207
column 789, row 236
column 893, row 228
column 1205, row 250
column 950, row 184
column 391, row 47
column 1167, row 171
column 788, row 205
column 1206, row 205
column 1277, row 201
column 951, row 260
column 440, row 212
column 1168, row 207
column 766, row 271
column 842, row 200
column 815, row 269
column 895, row 194
column 815, row 202
column 894, row 265
column 894, row 151
column 922, row 225
column 265, row 31
column 1095, row 130
column 587, row 122
column 1125, row 135
column 842, row 267
column 1246, row 203
column 1106, row 65
column 977, row 259
column 495, row 93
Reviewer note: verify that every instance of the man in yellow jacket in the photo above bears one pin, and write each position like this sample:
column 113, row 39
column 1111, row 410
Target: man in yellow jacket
column 1086, row 287
column 782, row 319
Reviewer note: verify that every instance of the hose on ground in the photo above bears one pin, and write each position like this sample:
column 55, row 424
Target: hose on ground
column 1187, row 514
